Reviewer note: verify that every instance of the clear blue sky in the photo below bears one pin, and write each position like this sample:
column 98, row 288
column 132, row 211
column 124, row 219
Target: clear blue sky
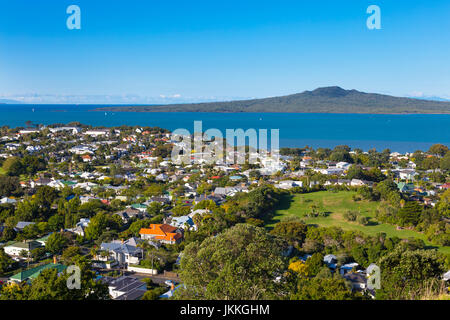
column 171, row 50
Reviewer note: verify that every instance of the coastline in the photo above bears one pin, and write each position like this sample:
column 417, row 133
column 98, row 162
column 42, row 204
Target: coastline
column 267, row 112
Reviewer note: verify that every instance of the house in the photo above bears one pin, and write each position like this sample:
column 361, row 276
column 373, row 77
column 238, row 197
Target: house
column 343, row 165
column 140, row 207
column 445, row 186
column 183, row 222
column 86, row 158
column 17, row 248
column 74, row 130
column 357, row 279
column 228, row 191
column 288, row 184
column 405, row 187
column 81, row 226
column 162, row 232
column 33, row 149
column 330, row 171
column 56, row 184
column 125, row 287
column 6, row 200
column 407, row 174
column 29, row 130
column 124, row 252
column 130, row 213
column 330, row 260
column 162, row 177
column 162, row 200
column 40, row 182
column 358, row 183
column 348, row 267
column 200, row 212
column 97, row 132
column 33, row 273
column 43, row 240
column 82, row 150
column 22, row 224
column 446, row 276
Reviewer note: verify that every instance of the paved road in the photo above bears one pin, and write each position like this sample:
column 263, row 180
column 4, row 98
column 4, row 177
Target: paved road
column 159, row 278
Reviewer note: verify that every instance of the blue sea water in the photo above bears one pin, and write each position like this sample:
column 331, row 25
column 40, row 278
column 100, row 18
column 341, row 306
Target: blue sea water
column 401, row 133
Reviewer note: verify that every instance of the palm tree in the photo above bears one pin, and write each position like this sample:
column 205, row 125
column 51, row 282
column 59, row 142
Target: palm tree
column 94, row 252
column 146, row 248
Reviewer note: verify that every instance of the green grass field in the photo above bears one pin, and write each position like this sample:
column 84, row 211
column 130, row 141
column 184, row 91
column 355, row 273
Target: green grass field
column 336, row 204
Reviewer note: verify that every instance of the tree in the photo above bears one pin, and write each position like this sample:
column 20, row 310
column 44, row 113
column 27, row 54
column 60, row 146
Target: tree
column 315, row 263
column 445, row 162
column 27, row 210
column 56, row 222
column 299, row 267
column 5, row 261
column 291, row 231
column 8, row 234
column 155, row 208
column 404, row 273
column 69, row 255
column 410, row 213
column 179, row 211
column 98, row 225
column 351, row 215
column 319, row 288
column 9, row 186
column 363, row 220
column 341, row 156
column 37, row 254
column 240, row 263
column 51, row 286
column 438, row 149
column 45, row 196
column 154, row 189
column 356, row 172
column 56, row 242
column 13, row 166
column 153, row 294
column 388, row 191
column 33, row 164
column 204, row 188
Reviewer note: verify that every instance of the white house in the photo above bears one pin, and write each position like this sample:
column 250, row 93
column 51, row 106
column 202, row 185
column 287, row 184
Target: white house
column 125, row 288
column 288, row 184
column 7, row 200
column 16, row 248
column 97, row 132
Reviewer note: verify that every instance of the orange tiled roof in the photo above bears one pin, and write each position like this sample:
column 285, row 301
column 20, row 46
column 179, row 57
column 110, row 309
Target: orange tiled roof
column 161, row 232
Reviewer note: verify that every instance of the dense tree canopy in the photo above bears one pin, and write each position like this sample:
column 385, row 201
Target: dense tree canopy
column 240, row 263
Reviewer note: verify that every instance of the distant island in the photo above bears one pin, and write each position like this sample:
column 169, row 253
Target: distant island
column 321, row 100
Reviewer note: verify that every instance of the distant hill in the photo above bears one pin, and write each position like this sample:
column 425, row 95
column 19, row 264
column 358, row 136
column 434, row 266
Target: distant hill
column 321, row 100
column 8, row 101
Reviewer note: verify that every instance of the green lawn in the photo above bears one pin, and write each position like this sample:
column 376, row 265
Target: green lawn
column 336, row 204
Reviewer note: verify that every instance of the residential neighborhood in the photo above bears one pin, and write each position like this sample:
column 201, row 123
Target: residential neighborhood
column 114, row 201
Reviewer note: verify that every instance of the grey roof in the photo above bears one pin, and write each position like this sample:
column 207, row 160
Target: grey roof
column 329, row 259
column 133, row 295
column 22, row 224
column 133, row 287
column 121, row 248
column 356, row 277
column 129, row 213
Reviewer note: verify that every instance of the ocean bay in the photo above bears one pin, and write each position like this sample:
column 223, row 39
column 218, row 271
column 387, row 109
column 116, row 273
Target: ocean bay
column 402, row 133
